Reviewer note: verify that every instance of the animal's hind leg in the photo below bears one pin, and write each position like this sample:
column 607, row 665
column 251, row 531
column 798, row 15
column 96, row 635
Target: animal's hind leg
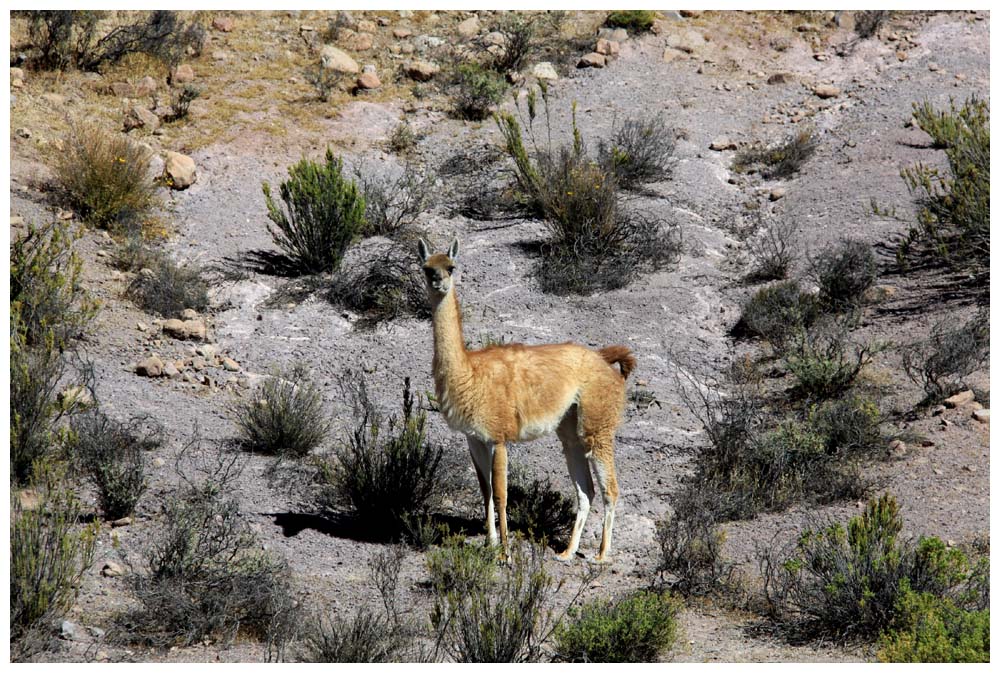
column 600, row 413
column 579, row 472
column 602, row 460
column 482, row 460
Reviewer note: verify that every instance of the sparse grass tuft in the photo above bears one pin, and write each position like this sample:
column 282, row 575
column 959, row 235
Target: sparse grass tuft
column 104, row 176
column 283, row 416
column 167, row 288
column 948, row 355
column 778, row 161
column 635, row 628
column 639, row 152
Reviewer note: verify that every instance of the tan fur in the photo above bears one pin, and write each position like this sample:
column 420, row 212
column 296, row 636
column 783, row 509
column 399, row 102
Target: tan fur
column 512, row 393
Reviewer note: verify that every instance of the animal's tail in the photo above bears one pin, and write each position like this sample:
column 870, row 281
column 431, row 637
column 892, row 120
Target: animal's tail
column 621, row 355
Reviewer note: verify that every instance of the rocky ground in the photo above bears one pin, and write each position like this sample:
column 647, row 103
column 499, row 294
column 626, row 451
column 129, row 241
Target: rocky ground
column 723, row 80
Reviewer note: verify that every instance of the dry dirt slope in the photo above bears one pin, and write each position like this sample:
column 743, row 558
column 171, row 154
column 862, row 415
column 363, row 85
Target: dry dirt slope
column 720, row 90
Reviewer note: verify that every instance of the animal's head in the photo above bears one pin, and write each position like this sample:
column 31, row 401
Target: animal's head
column 439, row 269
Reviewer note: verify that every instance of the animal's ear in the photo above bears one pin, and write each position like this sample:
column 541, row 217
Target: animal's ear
column 453, row 250
column 423, row 250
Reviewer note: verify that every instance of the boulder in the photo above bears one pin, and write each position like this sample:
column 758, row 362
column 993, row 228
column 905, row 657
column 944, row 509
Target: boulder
column 338, row 60
column 422, row 71
column 368, row 80
column 137, row 117
column 469, row 27
column 182, row 74
column 545, row 70
column 185, row 329
column 687, row 41
column 230, row 365
column 151, row 367
column 179, row 170
column 607, row 47
column 959, row 399
column 826, row 91
column 592, row 60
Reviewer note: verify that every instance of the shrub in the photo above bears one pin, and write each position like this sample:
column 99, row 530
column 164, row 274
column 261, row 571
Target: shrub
column 381, row 284
column 778, row 161
column 323, row 79
column 180, row 102
column 941, row 362
column 779, row 313
column 635, row 19
column 691, row 544
column 365, row 638
column 394, row 202
column 773, row 251
column 953, row 224
column 283, row 416
column 402, row 138
column 167, row 288
column 595, row 242
column 504, row 620
column 478, row 90
column 519, row 34
column 204, row 574
column 844, row 273
column 849, row 425
column 45, row 286
column 134, row 253
column 70, row 38
column 640, row 151
column 460, row 568
column 636, row 628
column 825, row 364
column 388, row 473
column 49, row 555
column 112, row 456
column 867, row 23
column 847, row 583
column 929, row 628
column 323, row 214
column 536, row 509
column 105, row 176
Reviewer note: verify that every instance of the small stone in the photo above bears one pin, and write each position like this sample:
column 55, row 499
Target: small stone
column 223, row 24
column 981, row 415
column 122, row 90
column 69, row 630
column 613, row 34
column 691, row 13
column 722, row 144
column 182, row 74
column 688, row 41
column 777, row 193
column 607, row 47
column 338, row 60
column 545, row 70
column 670, row 54
column 366, row 26
column 22, row 133
column 469, row 27
column 781, row 78
column 421, row 71
column 938, row 410
column 151, row 367
column 206, row 350
column 897, row 448
column 902, row 55
column 592, row 60
column 137, row 117
column 820, row 57
column 170, row 370
column 179, row 170
column 141, row 326
column 230, row 365
column 16, row 73
column 933, row 67
column 827, row 91
column 220, row 55
column 368, row 80
column 926, row 443
column 189, row 314
column 159, row 462
column 960, row 76
column 959, row 399
column 185, row 329
column 401, row 33
column 124, row 521
column 494, row 39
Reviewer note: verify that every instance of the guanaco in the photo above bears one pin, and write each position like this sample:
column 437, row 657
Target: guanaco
column 515, row 393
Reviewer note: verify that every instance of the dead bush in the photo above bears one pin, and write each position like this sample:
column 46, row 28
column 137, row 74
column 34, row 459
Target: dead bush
column 844, row 272
column 167, row 288
column 773, row 250
column 640, row 151
column 691, row 543
column 777, row 161
column 519, row 41
column 283, row 416
column 536, row 509
column 393, row 202
column 105, row 176
column 381, row 283
column 941, row 362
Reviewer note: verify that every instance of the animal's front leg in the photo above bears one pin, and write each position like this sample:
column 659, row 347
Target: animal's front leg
column 482, row 460
column 500, row 491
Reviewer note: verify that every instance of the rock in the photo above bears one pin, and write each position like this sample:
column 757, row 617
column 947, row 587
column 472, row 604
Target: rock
column 182, row 74
column 29, row 499
column 357, row 41
column 826, row 91
column 366, row 26
column 807, row 28
column 147, row 86
column 938, row 410
column 76, row 396
column 140, row 118
column 159, row 462
column 401, row 33
column 592, row 60
column 206, row 350
column 230, row 365
column 659, row 25
column 185, row 329
column 179, row 170
column 902, row 55
column 189, row 314
column 338, row 60
column 69, row 631
column 688, row 41
column 123, row 89
column 495, row 39
column 223, row 24
column 124, row 521
column 981, row 415
column 897, row 448
column 959, row 399
column 721, row 144
column 151, row 367
column 16, row 73
column 880, row 293
column 220, row 55
column 198, row 363
column 469, row 27
column 607, row 47
column 170, row 370
column 613, row 34
column 933, row 67
column 545, row 70
column 112, row 569
column 671, row 54
column 422, row 71
column 781, row 78
column 777, row 193
column 406, row 48
column 141, row 326
column 368, row 80
column 425, row 42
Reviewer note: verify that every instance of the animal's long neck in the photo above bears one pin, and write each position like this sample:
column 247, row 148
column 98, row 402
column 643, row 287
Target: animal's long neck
column 451, row 362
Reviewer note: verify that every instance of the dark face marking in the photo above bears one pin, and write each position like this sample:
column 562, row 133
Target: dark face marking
column 438, row 270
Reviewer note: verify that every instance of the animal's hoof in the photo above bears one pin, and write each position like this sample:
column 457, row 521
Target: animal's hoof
column 567, row 556
column 602, row 559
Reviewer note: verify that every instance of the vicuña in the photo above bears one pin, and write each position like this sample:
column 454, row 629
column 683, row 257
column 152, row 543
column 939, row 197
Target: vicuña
column 516, row 393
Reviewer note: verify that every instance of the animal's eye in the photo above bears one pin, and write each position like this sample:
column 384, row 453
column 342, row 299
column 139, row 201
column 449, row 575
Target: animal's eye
column 428, row 272
column 451, row 268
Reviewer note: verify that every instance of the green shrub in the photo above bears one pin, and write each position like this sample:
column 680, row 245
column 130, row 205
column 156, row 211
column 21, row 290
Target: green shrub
column 780, row 313
column 460, row 568
column 635, row 19
column 929, row 628
column 45, row 286
column 112, row 456
column 538, row 510
column 387, row 474
column 503, row 620
column 777, row 161
column 691, row 544
column 825, row 364
column 844, row 273
column 323, row 213
column 519, row 40
column 105, row 176
column 953, row 224
column 847, row 583
column 636, row 628
column 941, row 362
column 204, row 575
column 167, row 288
column 640, row 151
column 49, row 555
column 478, row 91
column 283, row 416
column 849, row 425
column 402, row 139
